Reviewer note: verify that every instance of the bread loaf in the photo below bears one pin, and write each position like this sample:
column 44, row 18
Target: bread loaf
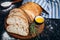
column 32, row 9
column 19, row 19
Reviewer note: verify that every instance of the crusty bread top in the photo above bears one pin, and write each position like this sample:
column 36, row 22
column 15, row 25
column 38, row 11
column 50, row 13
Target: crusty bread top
column 32, row 9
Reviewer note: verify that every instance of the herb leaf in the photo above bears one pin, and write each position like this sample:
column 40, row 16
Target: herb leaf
column 32, row 28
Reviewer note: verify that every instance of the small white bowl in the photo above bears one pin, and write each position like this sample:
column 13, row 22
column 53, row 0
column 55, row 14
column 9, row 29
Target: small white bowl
column 6, row 4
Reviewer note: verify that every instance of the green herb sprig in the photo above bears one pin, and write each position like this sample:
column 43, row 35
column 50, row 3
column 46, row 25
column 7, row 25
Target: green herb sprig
column 32, row 28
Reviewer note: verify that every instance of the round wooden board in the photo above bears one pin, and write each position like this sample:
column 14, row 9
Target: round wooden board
column 40, row 29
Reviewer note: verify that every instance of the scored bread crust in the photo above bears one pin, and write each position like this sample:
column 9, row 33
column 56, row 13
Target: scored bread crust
column 17, row 23
column 32, row 9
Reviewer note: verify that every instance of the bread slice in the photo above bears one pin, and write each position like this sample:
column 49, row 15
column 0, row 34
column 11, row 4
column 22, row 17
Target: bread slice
column 18, row 26
column 17, row 22
column 32, row 9
column 18, row 12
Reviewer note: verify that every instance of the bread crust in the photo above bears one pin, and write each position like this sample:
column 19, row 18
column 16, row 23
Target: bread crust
column 32, row 9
